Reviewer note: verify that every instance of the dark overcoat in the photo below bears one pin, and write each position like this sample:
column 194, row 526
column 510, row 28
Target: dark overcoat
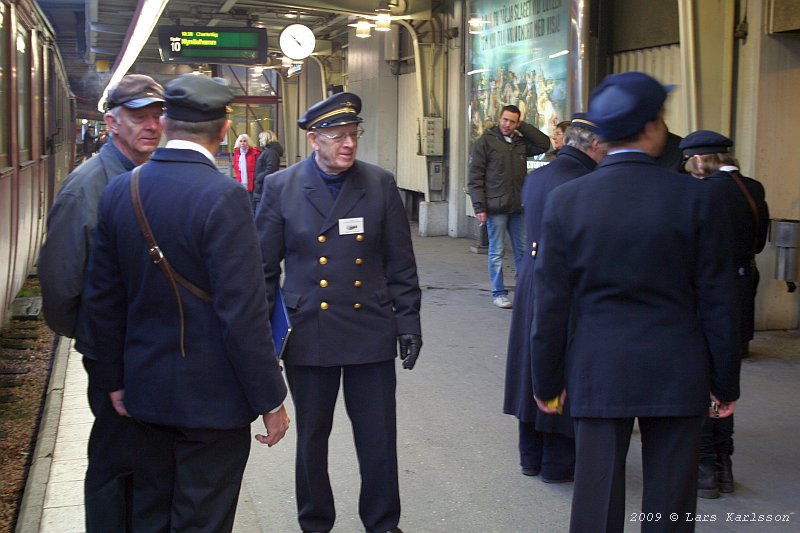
column 749, row 239
column 202, row 221
column 351, row 278
column 637, row 258
column 570, row 164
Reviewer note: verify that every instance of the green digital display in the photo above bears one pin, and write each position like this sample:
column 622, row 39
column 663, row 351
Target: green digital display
column 240, row 46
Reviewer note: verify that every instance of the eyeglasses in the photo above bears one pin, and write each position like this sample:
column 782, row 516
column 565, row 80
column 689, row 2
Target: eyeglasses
column 339, row 137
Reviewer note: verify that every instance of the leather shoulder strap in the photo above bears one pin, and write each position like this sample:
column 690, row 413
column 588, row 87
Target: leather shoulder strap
column 160, row 259
column 752, row 203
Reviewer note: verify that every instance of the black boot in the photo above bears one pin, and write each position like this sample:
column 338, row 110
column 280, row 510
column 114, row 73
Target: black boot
column 707, row 486
column 725, row 473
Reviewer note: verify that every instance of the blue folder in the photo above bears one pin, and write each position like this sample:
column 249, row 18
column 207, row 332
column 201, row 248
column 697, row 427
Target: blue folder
column 281, row 325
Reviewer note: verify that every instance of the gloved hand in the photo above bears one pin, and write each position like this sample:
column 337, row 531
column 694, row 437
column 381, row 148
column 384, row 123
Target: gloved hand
column 410, row 346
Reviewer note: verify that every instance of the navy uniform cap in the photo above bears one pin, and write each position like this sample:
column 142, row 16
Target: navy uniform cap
column 336, row 110
column 580, row 120
column 703, row 142
column 197, row 98
column 623, row 103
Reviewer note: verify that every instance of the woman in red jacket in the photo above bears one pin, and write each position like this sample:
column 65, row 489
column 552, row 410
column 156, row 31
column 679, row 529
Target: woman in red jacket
column 245, row 154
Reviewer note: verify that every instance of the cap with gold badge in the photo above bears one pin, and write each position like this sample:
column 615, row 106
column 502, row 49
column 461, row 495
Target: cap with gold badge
column 336, row 110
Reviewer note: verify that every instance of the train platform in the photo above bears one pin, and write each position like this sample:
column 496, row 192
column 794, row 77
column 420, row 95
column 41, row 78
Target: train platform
column 457, row 451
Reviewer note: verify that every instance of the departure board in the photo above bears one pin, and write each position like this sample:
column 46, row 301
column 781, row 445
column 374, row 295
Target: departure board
column 186, row 44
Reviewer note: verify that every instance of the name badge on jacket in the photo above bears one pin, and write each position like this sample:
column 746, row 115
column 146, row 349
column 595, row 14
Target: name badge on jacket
column 350, row 226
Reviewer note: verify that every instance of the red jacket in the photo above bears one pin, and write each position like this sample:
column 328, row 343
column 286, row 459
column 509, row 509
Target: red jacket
column 251, row 156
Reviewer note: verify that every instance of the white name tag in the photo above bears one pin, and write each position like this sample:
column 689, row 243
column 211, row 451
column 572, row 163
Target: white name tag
column 351, row 226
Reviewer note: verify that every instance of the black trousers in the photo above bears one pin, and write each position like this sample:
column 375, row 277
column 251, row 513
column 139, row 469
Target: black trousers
column 716, row 439
column 369, row 395
column 552, row 453
column 669, row 471
column 188, row 480
column 112, row 453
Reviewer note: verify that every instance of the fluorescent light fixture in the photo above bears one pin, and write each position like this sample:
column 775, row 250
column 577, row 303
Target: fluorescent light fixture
column 383, row 17
column 476, row 24
column 363, row 29
column 559, row 54
column 149, row 12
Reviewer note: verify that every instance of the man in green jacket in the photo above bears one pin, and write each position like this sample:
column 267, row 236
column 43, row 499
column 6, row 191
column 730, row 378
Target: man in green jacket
column 497, row 169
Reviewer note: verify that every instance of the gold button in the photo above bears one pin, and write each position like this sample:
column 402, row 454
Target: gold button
column 534, row 245
column 323, row 283
column 357, row 306
column 359, row 260
column 533, row 253
column 359, row 237
column 323, row 260
column 322, row 238
column 357, row 283
column 323, row 306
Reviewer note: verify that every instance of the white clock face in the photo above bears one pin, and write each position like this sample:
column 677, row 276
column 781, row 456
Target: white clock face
column 297, row 41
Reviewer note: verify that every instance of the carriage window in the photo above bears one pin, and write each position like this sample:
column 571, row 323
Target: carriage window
column 24, row 93
column 4, row 76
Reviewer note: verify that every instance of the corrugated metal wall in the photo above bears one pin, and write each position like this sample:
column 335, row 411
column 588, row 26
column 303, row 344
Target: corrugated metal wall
column 412, row 173
column 664, row 64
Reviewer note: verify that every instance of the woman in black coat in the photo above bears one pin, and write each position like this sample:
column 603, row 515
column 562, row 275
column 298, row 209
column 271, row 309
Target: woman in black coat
column 268, row 162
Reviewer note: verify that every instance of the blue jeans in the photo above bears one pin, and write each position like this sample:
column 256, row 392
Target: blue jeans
column 496, row 227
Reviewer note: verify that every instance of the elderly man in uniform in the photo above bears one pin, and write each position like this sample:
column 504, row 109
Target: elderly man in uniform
column 546, row 442
column 634, row 315
column 352, row 292
column 135, row 105
column 194, row 365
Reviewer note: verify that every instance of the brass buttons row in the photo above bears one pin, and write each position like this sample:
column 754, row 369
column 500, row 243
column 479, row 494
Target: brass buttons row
column 533, row 253
column 324, row 306
column 323, row 238
column 324, row 260
column 324, row 283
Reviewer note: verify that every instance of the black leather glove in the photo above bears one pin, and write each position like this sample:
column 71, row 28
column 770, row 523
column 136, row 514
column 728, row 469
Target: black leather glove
column 410, row 346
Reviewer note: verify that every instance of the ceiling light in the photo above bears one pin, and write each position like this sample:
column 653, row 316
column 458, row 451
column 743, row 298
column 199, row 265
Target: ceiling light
column 149, row 12
column 383, row 17
column 363, row 29
column 476, row 24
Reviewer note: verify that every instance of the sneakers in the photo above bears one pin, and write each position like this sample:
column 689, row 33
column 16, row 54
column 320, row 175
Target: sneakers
column 502, row 302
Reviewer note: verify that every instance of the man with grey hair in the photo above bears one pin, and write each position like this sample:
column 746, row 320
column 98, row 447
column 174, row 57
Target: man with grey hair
column 546, row 442
column 134, row 107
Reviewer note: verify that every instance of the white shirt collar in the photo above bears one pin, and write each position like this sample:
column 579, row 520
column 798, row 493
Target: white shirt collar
column 189, row 145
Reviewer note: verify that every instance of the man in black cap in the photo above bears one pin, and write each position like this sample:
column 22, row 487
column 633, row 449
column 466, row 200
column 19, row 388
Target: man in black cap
column 194, row 365
column 633, row 315
column 352, row 292
column 708, row 156
column 546, row 442
column 134, row 108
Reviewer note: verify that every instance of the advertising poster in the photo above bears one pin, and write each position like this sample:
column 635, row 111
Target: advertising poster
column 521, row 57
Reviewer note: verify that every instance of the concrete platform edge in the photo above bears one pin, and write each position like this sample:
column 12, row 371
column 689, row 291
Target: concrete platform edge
column 30, row 514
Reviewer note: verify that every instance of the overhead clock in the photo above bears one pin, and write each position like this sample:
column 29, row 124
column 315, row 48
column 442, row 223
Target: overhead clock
column 297, row 41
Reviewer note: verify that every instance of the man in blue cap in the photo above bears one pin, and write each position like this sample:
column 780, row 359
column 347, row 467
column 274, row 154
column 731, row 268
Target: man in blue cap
column 352, row 292
column 192, row 365
column 634, row 315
